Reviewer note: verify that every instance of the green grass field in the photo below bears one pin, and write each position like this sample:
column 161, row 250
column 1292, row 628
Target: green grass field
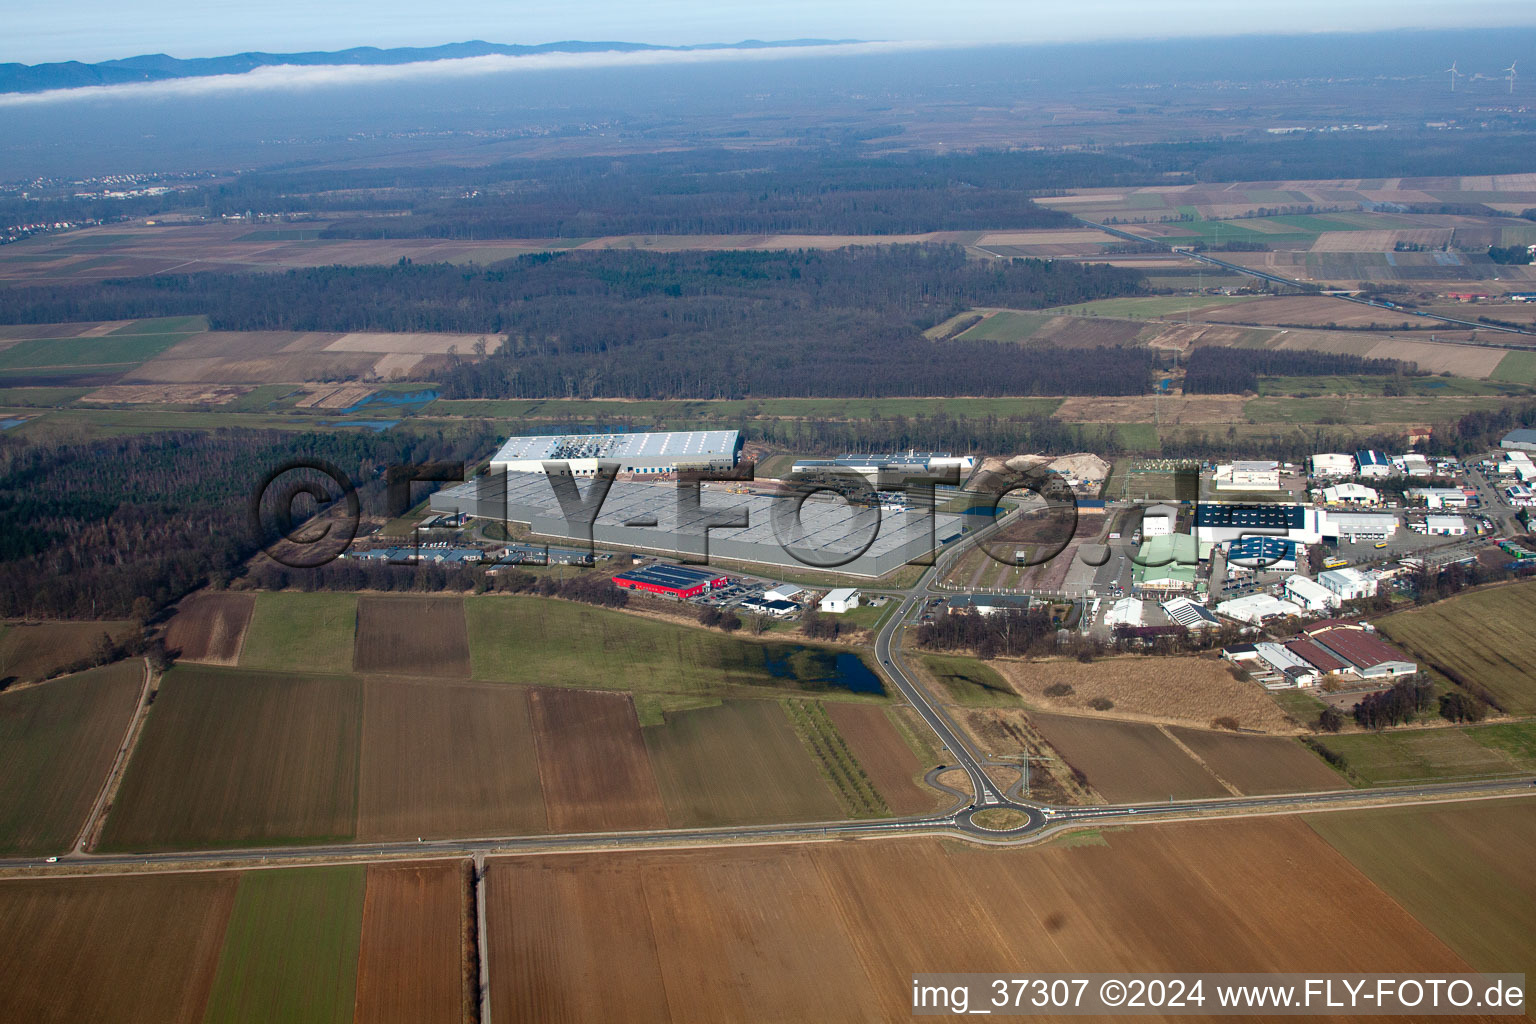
column 1007, row 325
column 677, row 414
column 1482, row 639
column 1461, row 869
column 230, row 757
column 301, row 633
column 1151, row 305
column 1517, row 368
column 290, row 951
column 737, row 763
column 1428, row 387
column 57, row 743
column 970, row 682
column 1368, row 410
column 559, row 643
column 1407, row 756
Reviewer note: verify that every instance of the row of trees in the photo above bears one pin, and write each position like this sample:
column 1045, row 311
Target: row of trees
column 1215, row 370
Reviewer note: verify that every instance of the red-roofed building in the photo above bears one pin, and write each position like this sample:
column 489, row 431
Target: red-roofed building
column 1318, row 656
column 1365, row 652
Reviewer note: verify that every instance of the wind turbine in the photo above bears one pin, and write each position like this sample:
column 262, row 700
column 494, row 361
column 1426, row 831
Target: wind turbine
column 1511, row 71
column 1454, row 73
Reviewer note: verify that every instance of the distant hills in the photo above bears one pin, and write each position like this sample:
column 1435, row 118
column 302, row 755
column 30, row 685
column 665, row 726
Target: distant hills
column 158, row 67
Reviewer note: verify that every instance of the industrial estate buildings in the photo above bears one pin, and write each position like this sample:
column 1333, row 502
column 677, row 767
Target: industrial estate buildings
column 639, row 454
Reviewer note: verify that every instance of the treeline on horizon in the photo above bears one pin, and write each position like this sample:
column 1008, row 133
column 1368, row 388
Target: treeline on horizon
column 615, row 324
column 1217, row 370
column 818, row 189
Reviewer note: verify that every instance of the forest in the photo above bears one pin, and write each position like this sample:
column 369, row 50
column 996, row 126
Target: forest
column 87, row 528
column 615, row 324
column 1213, row 370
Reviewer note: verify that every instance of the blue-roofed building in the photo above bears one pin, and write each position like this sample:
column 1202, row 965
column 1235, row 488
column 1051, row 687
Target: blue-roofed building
column 1263, row 554
column 1373, row 463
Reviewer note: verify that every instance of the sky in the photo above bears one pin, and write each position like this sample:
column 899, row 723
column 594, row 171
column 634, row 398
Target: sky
column 92, row 30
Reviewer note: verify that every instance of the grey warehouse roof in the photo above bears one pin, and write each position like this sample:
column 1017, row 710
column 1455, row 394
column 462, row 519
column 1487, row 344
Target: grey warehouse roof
column 668, row 444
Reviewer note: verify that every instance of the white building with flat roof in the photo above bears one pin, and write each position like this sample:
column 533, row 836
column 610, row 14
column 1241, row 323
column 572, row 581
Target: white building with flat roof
column 1348, row 584
column 1349, row 494
column 1440, row 497
column 843, row 599
column 1358, row 526
column 1310, row 594
column 641, row 454
column 1255, row 608
column 1445, row 526
column 1333, row 464
column 1159, row 520
column 1248, row 476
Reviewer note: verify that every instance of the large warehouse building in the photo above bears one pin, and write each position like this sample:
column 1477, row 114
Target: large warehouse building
column 821, row 532
column 650, row 454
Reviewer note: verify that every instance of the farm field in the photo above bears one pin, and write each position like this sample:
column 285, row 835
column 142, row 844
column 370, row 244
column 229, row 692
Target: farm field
column 301, row 633
column 92, row 357
column 30, row 651
column 410, row 966
column 1260, row 765
column 1153, row 305
column 1516, row 368
column 1173, row 410
column 885, row 757
column 123, row 949
column 230, row 757
column 412, row 636
column 57, row 743
column 444, row 759
column 681, row 414
column 1482, row 640
column 1404, row 756
column 530, row 640
column 665, row 925
column 290, row 951
column 1127, row 762
column 1455, row 868
column 736, row 763
column 209, row 627
column 593, row 763
column 1183, row 691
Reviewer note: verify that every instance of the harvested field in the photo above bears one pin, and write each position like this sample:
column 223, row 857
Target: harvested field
column 57, row 743
column 301, row 633
column 30, row 651
column 885, row 757
column 334, row 398
column 89, row 329
column 1184, row 337
column 663, row 927
column 1174, row 690
column 1127, row 762
column 130, row 949
column 230, row 757
column 417, row 343
column 592, row 762
column 1260, row 765
column 412, row 636
column 1170, row 410
column 446, row 759
column 1477, row 361
column 290, row 953
column 1086, row 332
column 1310, row 310
column 167, row 394
column 209, row 627
column 1458, row 868
column 411, row 957
column 734, row 764
column 1481, row 640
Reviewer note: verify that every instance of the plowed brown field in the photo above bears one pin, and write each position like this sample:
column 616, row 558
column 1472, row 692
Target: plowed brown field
column 1261, row 764
column 446, row 759
column 884, row 756
column 210, row 628
column 1127, row 761
column 410, row 961
column 412, row 636
column 713, row 934
column 593, row 762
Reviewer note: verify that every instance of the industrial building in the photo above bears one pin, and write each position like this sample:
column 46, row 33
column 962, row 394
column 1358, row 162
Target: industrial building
column 679, row 581
column 1440, row 497
column 1366, row 654
column 1445, row 526
column 991, row 604
column 1310, row 594
column 822, row 532
column 843, row 599
column 1255, row 608
column 1265, row 554
column 1184, row 612
column 1159, row 520
column 638, row 454
column 1372, row 464
column 1218, row 524
column 1358, row 526
column 1333, row 465
column 1413, row 464
column 891, row 469
column 1349, row 494
column 1347, row 584
column 1165, row 564
column 1248, row 476
column 1519, row 440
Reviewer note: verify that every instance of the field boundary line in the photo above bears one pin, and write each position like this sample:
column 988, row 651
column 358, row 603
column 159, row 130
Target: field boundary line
column 90, row 831
column 1190, row 753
